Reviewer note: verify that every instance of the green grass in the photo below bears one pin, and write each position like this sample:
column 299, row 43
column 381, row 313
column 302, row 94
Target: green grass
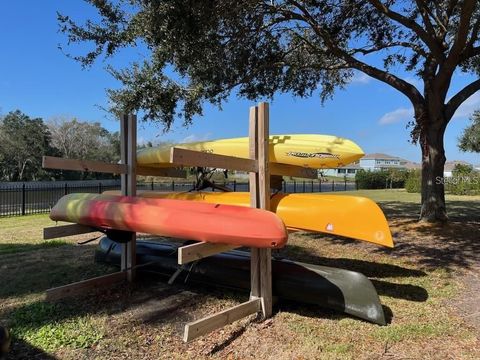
column 54, row 326
column 24, row 247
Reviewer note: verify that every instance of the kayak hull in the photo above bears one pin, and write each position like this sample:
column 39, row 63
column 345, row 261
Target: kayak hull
column 328, row 287
column 214, row 223
column 306, row 150
column 342, row 215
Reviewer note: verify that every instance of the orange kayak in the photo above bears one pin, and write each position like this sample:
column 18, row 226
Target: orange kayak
column 354, row 217
column 214, row 223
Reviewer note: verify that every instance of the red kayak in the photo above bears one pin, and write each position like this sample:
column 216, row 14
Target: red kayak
column 214, row 223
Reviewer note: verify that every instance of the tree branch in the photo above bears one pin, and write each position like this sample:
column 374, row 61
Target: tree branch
column 448, row 67
column 430, row 41
column 366, row 51
column 401, row 85
column 425, row 13
column 457, row 100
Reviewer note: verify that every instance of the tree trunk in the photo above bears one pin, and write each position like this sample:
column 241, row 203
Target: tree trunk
column 433, row 161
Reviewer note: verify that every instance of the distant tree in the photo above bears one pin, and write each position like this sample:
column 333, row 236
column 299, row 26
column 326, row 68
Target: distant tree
column 470, row 139
column 462, row 169
column 23, row 142
column 200, row 51
column 84, row 140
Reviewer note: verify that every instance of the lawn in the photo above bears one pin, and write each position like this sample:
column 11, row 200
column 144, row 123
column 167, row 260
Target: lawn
column 426, row 284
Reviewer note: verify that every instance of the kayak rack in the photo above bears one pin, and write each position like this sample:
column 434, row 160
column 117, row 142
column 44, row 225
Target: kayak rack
column 260, row 172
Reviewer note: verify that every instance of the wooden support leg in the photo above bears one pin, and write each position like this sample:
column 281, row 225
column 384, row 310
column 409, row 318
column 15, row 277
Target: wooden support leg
column 82, row 287
column 215, row 321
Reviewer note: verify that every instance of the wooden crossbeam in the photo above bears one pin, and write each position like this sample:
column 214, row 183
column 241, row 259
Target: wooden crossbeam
column 52, row 162
column 66, row 230
column 222, row 318
column 184, row 157
column 85, row 286
column 156, row 171
column 201, row 250
column 292, row 170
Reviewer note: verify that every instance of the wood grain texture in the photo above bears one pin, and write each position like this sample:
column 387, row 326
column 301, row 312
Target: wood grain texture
column 52, row 162
column 184, row 157
column 222, row 318
column 200, row 250
column 55, row 232
column 265, row 257
column 85, row 286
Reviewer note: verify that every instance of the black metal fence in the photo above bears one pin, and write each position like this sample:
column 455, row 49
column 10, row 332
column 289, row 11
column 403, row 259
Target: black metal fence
column 35, row 198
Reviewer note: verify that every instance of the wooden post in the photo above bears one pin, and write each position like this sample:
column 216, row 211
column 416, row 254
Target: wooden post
column 254, row 201
column 261, row 259
column 128, row 153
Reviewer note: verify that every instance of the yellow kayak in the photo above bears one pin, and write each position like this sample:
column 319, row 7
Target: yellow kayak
column 350, row 216
column 312, row 151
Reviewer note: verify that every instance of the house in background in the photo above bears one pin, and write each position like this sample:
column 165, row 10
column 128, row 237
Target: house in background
column 382, row 162
column 348, row 171
column 378, row 162
column 372, row 162
column 450, row 165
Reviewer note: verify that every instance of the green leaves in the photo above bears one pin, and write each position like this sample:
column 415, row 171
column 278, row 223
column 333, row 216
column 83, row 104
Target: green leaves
column 470, row 139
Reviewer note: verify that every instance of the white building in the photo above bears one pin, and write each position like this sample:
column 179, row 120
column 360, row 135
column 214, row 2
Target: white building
column 450, row 166
column 372, row 162
column 348, row 171
column 377, row 162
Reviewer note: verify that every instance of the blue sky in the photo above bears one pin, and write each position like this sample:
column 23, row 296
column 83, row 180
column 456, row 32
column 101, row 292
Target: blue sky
column 37, row 78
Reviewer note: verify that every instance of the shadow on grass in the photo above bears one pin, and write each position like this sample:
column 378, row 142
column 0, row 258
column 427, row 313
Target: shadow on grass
column 13, row 248
column 370, row 269
column 40, row 267
column 452, row 245
column 23, row 350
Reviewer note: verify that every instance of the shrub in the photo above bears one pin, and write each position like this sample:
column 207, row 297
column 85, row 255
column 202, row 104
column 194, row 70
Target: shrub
column 413, row 182
column 371, row 179
column 463, row 184
column 380, row 179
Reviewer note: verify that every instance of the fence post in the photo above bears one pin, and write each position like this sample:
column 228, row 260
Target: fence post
column 311, row 186
column 173, row 185
column 294, row 186
column 234, row 185
column 213, row 188
column 320, row 185
column 65, row 190
column 99, row 187
column 151, row 185
column 356, row 184
column 303, row 185
column 24, row 193
column 345, row 184
column 333, row 185
column 284, row 184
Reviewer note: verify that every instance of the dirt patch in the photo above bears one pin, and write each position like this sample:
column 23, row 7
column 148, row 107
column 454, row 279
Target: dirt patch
column 468, row 303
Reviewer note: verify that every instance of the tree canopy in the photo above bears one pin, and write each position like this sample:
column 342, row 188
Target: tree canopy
column 23, row 142
column 470, row 139
column 262, row 47
column 200, row 51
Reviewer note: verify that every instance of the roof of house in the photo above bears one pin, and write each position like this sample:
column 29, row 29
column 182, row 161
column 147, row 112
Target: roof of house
column 412, row 165
column 450, row 165
column 351, row 166
column 381, row 156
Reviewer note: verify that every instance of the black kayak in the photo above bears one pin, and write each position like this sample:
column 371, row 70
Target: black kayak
column 338, row 289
